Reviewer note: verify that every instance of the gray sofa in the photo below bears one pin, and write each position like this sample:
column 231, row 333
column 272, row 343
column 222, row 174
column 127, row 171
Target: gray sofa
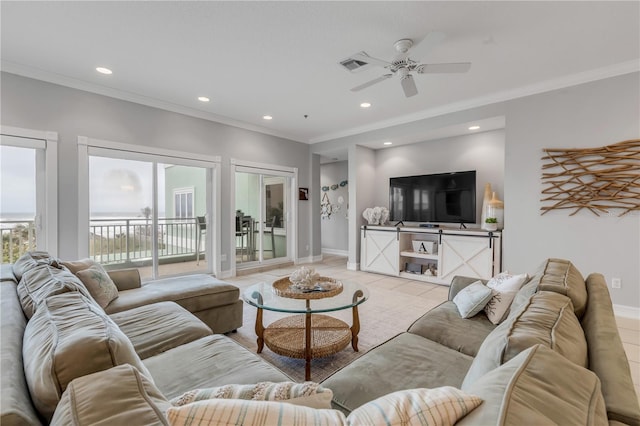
column 53, row 333
column 556, row 309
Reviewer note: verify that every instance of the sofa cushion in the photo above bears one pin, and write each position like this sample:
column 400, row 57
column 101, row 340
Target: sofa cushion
column 406, row 361
column 537, row 387
column 309, row 394
column 547, row 319
column 211, row 361
column 504, row 287
column 69, row 336
column 607, row 357
column 443, row 324
column 438, row 406
column 472, row 299
column 159, row 327
column 15, row 405
column 561, row 276
column 255, row 413
column 193, row 292
column 32, row 259
column 43, row 281
column 118, row 396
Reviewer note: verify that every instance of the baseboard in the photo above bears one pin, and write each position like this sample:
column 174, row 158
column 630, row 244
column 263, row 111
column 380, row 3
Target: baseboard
column 344, row 253
column 353, row 266
column 626, row 311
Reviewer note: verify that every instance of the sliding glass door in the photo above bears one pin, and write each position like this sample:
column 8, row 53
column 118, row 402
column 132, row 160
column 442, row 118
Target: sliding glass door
column 150, row 214
column 262, row 211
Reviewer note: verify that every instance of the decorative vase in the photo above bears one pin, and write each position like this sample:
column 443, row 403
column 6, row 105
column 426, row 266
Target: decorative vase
column 495, row 209
column 485, row 205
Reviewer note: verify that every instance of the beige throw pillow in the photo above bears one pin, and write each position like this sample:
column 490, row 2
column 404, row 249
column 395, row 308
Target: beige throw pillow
column 438, row 406
column 102, row 288
column 309, row 394
column 504, row 287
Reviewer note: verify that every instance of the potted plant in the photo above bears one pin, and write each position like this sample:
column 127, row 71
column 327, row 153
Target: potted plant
column 491, row 224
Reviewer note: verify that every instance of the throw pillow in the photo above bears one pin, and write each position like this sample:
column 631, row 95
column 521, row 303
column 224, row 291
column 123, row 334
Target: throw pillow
column 100, row 286
column 472, row 299
column 255, row 413
column 438, row 406
column 504, row 287
column 309, row 394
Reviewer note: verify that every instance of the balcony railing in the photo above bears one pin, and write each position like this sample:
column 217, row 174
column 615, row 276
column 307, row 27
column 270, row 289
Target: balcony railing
column 130, row 240
column 18, row 237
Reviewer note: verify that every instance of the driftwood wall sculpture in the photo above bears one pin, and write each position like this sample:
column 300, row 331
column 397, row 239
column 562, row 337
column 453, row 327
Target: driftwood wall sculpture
column 598, row 179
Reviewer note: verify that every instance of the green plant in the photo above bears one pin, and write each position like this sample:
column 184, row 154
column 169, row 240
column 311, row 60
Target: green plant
column 491, row 220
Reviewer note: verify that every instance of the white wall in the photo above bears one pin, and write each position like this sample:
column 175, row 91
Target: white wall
column 334, row 231
column 586, row 115
column 38, row 105
column 482, row 152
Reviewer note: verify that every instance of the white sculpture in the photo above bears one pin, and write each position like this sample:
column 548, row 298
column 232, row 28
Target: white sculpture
column 376, row 215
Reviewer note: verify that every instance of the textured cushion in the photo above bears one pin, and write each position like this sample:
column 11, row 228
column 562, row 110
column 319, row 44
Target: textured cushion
column 561, row 276
column 407, row 361
column 309, row 394
column 472, row 299
column 32, row 259
column 547, row 319
column 439, row 406
column 211, row 361
column 504, row 287
column 118, row 396
column 158, row 327
column 537, row 387
column 255, row 413
column 99, row 284
column 43, row 281
column 69, row 336
column 443, row 324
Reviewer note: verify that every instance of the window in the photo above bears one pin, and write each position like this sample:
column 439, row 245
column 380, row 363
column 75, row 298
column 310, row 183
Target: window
column 28, row 200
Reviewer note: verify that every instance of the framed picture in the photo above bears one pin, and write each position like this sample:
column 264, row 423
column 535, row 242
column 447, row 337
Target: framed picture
column 303, row 194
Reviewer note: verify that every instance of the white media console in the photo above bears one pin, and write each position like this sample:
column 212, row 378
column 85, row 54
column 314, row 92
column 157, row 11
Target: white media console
column 446, row 252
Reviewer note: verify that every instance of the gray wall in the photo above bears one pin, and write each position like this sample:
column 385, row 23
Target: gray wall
column 334, row 230
column 482, row 152
column 38, row 105
column 586, row 115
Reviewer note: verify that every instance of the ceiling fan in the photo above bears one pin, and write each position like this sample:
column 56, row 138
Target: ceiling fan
column 403, row 65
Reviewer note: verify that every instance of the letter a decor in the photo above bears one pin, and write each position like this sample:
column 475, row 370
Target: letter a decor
column 597, row 179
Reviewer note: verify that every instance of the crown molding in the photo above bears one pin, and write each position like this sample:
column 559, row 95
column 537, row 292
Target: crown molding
column 533, row 89
column 50, row 77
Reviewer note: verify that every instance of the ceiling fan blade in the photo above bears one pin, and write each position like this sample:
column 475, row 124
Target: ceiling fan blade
column 409, row 86
column 443, row 68
column 368, row 59
column 371, row 83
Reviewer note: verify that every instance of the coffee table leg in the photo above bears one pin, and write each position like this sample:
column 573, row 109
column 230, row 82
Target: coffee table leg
column 355, row 328
column 307, row 346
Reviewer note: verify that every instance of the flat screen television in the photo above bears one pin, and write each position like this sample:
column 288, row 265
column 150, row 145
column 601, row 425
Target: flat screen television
column 440, row 198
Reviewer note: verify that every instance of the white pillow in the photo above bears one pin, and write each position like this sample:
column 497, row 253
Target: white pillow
column 439, row 406
column 247, row 412
column 504, row 287
column 472, row 299
column 309, row 394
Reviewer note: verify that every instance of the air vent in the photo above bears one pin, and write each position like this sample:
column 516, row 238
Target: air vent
column 354, row 65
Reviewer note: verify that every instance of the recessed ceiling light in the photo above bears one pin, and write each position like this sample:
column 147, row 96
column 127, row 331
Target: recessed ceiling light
column 103, row 70
column 203, row 99
column 387, row 143
column 474, row 127
column 267, row 117
column 365, row 105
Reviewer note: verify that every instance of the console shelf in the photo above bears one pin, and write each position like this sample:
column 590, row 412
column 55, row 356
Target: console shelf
column 451, row 251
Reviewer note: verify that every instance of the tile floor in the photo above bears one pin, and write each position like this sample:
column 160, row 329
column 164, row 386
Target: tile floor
column 412, row 299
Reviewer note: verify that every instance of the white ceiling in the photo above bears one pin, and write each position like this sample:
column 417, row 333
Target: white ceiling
column 280, row 58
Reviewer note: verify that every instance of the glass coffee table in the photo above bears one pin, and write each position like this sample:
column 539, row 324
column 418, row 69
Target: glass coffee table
column 307, row 333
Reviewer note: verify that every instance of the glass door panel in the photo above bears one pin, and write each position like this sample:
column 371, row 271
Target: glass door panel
column 17, row 201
